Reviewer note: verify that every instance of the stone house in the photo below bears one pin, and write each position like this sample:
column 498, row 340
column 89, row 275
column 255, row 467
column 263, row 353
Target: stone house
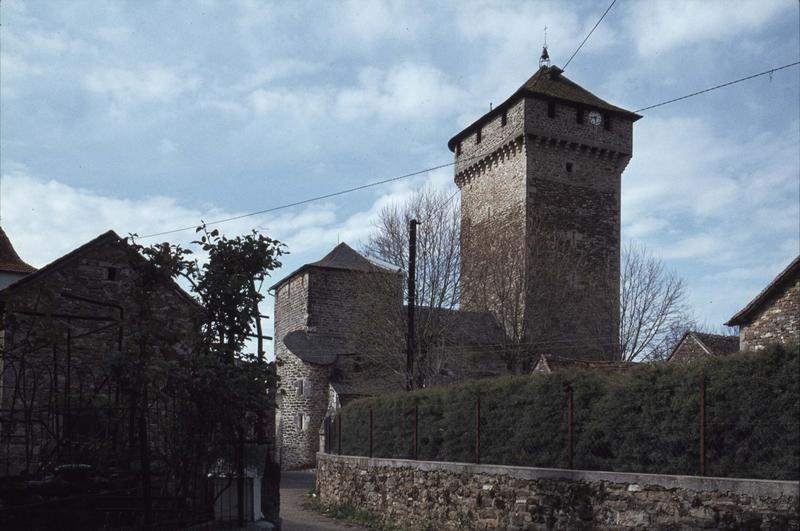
column 695, row 345
column 65, row 327
column 773, row 316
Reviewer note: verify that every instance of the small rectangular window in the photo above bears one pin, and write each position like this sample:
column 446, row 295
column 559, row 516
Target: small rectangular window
column 579, row 116
column 111, row 273
column 504, row 119
column 551, row 109
column 478, row 136
column 607, row 122
column 569, row 167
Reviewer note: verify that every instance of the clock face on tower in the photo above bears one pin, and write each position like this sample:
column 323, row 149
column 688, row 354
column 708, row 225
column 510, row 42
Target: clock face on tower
column 595, row 118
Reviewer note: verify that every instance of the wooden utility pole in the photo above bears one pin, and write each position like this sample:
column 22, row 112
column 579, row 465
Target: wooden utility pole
column 702, row 466
column 412, row 273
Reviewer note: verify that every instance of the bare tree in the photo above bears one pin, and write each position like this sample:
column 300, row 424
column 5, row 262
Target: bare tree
column 653, row 307
column 534, row 283
column 437, row 268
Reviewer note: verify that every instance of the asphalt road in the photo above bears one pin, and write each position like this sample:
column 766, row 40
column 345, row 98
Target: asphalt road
column 295, row 487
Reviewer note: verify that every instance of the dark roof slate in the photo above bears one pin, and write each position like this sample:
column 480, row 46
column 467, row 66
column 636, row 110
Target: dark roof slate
column 554, row 363
column 319, row 349
column 107, row 237
column 10, row 262
column 744, row 315
column 341, row 257
column 459, row 327
column 713, row 344
column 548, row 83
column 717, row 343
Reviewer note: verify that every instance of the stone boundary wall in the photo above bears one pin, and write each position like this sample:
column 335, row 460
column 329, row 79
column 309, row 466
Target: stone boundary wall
column 457, row 496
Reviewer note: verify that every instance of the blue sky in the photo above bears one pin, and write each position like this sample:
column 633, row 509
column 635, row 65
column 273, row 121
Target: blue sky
column 147, row 116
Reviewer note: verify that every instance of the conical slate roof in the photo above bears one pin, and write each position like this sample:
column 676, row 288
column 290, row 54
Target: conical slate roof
column 342, row 257
column 10, row 262
column 345, row 257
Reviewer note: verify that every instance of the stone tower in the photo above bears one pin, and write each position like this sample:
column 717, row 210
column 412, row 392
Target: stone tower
column 540, row 178
column 333, row 320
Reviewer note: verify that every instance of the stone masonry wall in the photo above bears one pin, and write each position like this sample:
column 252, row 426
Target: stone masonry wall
column 457, row 496
column 62, row 331
column 490, row 174
column 688, row 350
column 303, row 387
column 532, row 180
column 573, row 197
column 778, row 321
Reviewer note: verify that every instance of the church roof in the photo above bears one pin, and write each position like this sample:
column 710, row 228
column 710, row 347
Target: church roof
column 10, row 262
column 341, row 257
column 548, row 83
column 745, row 314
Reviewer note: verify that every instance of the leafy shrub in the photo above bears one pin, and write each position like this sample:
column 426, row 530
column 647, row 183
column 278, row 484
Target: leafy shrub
column 644, row 420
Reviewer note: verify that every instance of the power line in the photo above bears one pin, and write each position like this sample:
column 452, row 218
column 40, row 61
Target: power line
column 590, row 34
column 765, row 72
column 304, row 201
column 440, row 166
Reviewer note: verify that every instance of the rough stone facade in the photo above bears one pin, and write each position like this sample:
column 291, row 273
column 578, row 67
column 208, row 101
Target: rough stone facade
column 537, row 180
column 456, row 496
column 354, row 309
column 63, row 326
column 774, row 315
column 778, row 321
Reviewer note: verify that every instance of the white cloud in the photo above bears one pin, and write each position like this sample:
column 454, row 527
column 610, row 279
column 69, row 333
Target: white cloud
column 47, row 218
column 149, row 83
column 380, row 19
column 167, row 146
column 406, row 91
column 658, row 26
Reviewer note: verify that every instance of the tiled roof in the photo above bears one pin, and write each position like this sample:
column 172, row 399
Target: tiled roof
column 341, row 257
column 745, row 313
column 717, row 343
column 10, row 262
column 554, row 363
column 712, row 344
column 549, row 83
column 461, row 328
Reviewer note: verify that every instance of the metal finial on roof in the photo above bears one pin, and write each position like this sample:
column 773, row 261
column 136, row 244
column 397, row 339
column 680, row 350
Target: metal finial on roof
column 544, row 60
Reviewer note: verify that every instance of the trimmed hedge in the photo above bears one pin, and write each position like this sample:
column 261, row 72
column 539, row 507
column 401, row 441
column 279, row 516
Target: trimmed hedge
column 643, row 420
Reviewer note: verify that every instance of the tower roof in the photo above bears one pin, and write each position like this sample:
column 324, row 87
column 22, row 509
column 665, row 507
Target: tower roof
column 10, row 262
column 345, row 257
column 341, row 257
column 547, row 83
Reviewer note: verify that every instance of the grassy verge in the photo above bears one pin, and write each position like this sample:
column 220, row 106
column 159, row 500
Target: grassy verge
column 346, row 513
